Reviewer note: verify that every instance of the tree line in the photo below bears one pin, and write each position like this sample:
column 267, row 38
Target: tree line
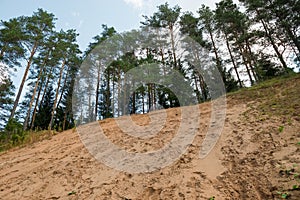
column 246, row 45
column 50, row 60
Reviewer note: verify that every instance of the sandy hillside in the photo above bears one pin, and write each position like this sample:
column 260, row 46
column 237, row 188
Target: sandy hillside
column 256, row 157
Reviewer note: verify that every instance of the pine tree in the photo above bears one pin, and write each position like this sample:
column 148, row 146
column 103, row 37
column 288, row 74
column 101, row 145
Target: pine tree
column 235, row 25
column 67, row 50
column 64, row 118
column 43, row 115
column 105, row 100
column 263, row 13
column 6, row 101
column 36, row 29
column 41, row 63
column 11, row 37
column 107, row 33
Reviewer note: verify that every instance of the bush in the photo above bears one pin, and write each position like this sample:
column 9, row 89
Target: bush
column 13, row 132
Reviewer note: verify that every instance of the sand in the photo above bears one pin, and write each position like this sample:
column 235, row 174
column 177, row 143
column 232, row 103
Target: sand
column 247, row 162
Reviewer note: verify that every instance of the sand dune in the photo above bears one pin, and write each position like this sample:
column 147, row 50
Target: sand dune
column 248, row 162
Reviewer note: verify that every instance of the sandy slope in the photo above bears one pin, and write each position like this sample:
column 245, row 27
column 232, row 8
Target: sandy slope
column 249, row 162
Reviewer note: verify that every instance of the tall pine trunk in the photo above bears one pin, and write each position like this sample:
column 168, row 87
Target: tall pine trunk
column 246, row 64
column 32, row 53
column 233, row 61
column 251, row 59
column 113, row 94
column 219, row 66
column 107, row 96
column 34, row 92
column 97, row 92
column 293, row 37
column 173, row 46
column 56, row 95
column 287, row 27
column 269, row 36
column 119, row 89
column 133, row 103
column 38, row 97
column 143, row 102
column 149, row 97
column 32, row 100
column 197, row 88
column 63, row 89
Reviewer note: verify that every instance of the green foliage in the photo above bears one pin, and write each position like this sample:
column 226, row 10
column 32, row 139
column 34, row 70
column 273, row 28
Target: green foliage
column 189, row 26
column 43, row 115
column 6, row 101
column 13, row 126
column 11, row 37
column 166, row 17
column 291, row 174
column 98, row 39
column 265, row 69
column 280, row 129
column 285, row 195
column 295, row 187
column 105, row 109
column 230, row 83
column 12, row 134
column 35, row 29
column 167, row 101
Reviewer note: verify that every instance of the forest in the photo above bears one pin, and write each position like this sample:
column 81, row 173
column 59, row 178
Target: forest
column 247, row 43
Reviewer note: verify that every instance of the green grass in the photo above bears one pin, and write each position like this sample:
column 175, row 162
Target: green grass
column 296, row 187
column 276, row 97
column 283, row 195
column 280, row 129
column 27, row 138
column 268, row 84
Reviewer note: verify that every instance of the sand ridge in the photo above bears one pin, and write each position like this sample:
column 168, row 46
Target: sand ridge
column 244, row 164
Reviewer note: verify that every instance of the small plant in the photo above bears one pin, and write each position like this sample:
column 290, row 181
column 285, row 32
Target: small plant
column 284, row 195
column 298, row 143
column 280, row 129
column 212, row 198
column 296, row 187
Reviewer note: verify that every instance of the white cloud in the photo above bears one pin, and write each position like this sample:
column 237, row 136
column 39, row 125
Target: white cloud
column 147, row 7
column 135, row 3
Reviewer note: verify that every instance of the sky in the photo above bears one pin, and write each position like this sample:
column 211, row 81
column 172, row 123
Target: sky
column 87, row 16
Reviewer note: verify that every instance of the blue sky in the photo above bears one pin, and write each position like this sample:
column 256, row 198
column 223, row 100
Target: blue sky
column 87, row 16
